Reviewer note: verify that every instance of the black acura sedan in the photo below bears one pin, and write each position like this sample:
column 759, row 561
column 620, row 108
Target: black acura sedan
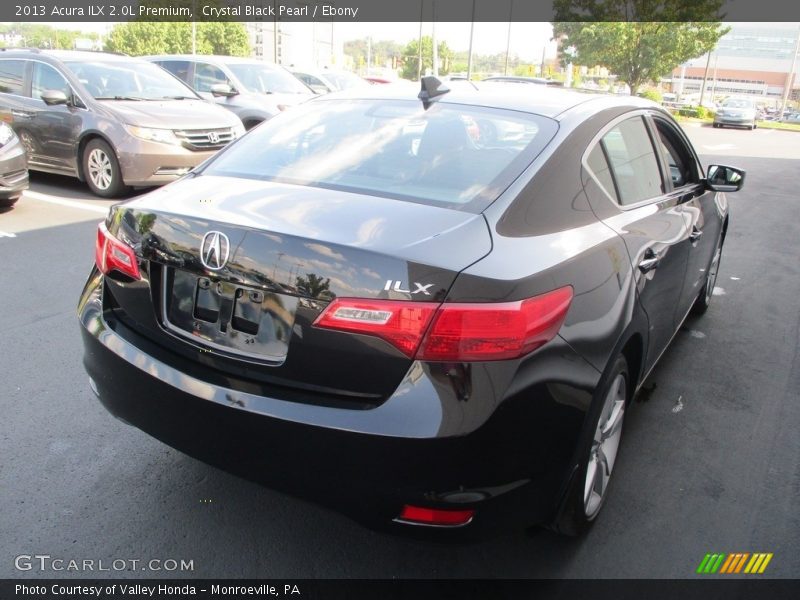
column 426, row 311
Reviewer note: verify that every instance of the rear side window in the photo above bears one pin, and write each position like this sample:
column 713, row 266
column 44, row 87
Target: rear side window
column 450, row 155
column 599, row 166
column 633, row 162
column 11, row 76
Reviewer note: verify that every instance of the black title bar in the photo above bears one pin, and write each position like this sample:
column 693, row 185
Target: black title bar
column 366, row 11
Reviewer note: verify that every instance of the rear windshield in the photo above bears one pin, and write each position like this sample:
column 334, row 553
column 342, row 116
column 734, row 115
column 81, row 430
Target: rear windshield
column 450, row 155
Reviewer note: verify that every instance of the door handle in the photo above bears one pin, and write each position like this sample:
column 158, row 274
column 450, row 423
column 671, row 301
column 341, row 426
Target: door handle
column 695, row 235
column 21, row 114
column 649, row 262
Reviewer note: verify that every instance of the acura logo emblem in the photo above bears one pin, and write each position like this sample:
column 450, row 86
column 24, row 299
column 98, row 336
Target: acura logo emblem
column 213, row 137
column 214, row 250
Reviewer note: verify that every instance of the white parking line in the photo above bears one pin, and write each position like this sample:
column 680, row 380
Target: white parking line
column 7, row 234
column 63, row 202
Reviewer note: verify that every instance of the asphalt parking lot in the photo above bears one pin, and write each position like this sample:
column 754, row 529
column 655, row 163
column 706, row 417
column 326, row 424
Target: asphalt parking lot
column 710, row 459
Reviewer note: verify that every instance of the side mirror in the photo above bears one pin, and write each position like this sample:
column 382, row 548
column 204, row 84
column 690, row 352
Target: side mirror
column 223, row 89
column 724, row 179
column 53, row 97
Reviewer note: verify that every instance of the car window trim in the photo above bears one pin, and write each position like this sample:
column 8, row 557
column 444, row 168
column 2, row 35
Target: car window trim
column 640, row 112
column 83, row 106
column 684, row 140
column 29, row 81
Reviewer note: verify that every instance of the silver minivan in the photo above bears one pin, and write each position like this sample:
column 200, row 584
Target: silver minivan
column 110, row 120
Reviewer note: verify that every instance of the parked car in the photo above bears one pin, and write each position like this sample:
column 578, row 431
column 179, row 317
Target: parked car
column 112, row 121
column 323, row 81
column 253, row 90
column 739, row 112
column 13, row 167
column 415, row 325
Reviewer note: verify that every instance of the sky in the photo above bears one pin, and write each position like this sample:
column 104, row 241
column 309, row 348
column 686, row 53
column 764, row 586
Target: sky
column 527, row 39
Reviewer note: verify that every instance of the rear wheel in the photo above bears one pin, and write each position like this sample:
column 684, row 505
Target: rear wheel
column 588, row 489
column 101, row 169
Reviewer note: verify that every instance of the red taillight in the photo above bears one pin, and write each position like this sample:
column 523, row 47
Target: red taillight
column 495, row 331
column 459, row 331
column 110, row 254
column 435, row 516
column 402, row 324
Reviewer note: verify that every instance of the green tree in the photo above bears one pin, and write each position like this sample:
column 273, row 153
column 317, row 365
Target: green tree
column 382, row 51
column 411, row 57
column 44, row 36
column 315, row 286
column 640, row 41
column 142, row 37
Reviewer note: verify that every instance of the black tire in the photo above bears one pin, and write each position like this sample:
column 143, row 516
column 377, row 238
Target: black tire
column 101, row 170
column 8, row 202
column 703, row 300
column 581, row 504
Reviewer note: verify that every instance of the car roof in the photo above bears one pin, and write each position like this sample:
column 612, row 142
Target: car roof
column 67, row 55
column 541, row 100
column 212, row 58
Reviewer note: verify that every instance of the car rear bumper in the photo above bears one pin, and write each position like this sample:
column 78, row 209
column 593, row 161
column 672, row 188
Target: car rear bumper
column 510, row 463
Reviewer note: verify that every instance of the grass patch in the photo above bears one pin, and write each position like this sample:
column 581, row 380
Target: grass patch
column 778, row 125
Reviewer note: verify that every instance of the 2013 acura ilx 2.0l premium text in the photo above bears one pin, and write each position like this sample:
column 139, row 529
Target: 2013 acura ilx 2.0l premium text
column 110, row 120
column 425, row 310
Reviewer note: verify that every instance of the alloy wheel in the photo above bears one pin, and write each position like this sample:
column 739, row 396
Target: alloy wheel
column 603, row 453
column 100, row 171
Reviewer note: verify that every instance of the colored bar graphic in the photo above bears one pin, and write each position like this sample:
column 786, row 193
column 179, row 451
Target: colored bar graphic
column 740, row 564
column 734, row 562
column 703, row 563
column 765, row 563
column 757, row 558
column 718, row 563
column 728, row 563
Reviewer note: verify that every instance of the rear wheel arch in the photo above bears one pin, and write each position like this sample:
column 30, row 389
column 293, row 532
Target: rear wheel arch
column 633, row 351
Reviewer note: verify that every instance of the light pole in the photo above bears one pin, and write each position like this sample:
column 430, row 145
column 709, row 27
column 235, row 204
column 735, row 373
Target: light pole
column 790, row 77
column 471, row 35
column 508, row 35
column 419, row 43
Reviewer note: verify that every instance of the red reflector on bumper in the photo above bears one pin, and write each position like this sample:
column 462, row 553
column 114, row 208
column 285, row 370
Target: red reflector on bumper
column 435, row 516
